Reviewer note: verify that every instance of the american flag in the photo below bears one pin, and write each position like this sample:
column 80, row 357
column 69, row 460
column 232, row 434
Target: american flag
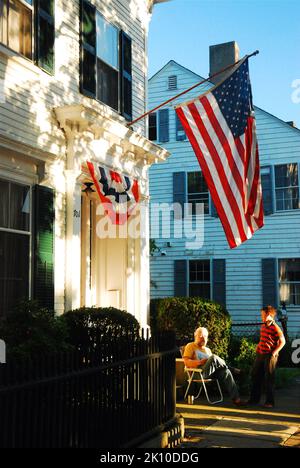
column 118, row 193
column 220, row 125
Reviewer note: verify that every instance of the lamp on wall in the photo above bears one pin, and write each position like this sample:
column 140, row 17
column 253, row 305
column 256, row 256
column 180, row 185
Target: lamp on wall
column 283, row 318
column 88, row 189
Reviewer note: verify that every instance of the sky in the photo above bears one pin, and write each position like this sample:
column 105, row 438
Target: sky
column 183, row 30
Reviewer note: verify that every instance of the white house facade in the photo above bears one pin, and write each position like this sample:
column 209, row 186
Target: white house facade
column 73, row 74
column 265, row 269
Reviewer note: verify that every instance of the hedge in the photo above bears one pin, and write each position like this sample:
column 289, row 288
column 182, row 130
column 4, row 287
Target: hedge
column 185, row 314
column 86, row 323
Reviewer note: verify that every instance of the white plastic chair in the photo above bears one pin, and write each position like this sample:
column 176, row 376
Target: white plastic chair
column 196, row 375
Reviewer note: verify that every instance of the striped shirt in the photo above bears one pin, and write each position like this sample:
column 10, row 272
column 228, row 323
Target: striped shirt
column 269, row 337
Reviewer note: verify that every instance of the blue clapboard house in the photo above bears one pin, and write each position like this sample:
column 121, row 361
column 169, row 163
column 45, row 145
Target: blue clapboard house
column 265, row 269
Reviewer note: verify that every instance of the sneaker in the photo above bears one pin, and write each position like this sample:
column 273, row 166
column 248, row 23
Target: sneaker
column 239, row 402
column 268, row 405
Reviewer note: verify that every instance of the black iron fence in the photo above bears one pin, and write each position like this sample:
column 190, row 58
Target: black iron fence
column 102, row 397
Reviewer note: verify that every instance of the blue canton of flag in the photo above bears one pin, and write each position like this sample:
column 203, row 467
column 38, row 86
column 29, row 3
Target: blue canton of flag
column 235, row 99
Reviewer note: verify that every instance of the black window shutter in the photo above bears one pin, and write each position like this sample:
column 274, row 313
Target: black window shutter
column 180, row 133
column 219, row 281
column 45, row 34
column 163, row 125
column 179, row 192
column 269, row 282
column 180, row 278
column 213, row 211
column 126, row 75
column 267, row 189
column 43, row 258
column 88, row 51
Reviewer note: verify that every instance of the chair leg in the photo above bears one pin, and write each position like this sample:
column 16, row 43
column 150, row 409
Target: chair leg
column 190, row 379
column 200, row 390
column 206, row 393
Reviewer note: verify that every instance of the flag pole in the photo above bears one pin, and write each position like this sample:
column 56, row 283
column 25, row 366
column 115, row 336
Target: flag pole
column 190, row 89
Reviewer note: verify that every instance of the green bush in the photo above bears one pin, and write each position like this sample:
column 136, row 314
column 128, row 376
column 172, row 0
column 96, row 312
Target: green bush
column 86, row 323
column 244, row 361
column 29, row 330
column 185, row 314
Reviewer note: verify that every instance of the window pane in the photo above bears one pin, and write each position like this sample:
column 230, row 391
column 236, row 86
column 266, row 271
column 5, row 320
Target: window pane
column 286, row 175
column 14, row 270
column 196, row 182
column 200, row 270
column 4, row 203
column 200, row 290
column 107, row 42
column 287, row 199
column 289, row 277
column 107, row 85
column 289, row 270
column 152, row 127
column 198, row 198
column 19, row 206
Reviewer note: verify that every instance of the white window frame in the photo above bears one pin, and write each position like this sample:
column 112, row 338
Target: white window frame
column 280, row 188
column 289, row 305
column 26, row 233
column 209, row 260
column 98, row 13
column 187, row 196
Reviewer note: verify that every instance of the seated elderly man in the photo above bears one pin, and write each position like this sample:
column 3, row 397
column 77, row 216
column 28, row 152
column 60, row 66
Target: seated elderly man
column 196, row 354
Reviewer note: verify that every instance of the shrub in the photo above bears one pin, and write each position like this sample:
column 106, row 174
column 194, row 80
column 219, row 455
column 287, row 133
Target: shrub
column 29, row 330
column 86, row 323
column 185, row 314
column 244, row 361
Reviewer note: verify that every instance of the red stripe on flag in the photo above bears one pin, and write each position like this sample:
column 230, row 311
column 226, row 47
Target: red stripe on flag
column 210, row 183
column 220, row 170
column 228, row 151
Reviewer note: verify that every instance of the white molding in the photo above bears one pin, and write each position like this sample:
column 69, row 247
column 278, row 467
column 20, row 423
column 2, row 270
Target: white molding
column 80, row 119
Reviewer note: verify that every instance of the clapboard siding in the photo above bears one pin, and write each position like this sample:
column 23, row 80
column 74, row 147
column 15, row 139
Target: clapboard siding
column 279, row 143
column 31, row 94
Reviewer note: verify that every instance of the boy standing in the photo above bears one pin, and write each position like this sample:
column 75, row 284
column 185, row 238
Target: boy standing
column 271, row 342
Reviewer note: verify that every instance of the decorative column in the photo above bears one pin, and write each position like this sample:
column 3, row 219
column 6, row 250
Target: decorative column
column 73, row 227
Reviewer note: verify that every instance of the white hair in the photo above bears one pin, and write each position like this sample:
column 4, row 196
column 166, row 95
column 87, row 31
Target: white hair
column 202, row 330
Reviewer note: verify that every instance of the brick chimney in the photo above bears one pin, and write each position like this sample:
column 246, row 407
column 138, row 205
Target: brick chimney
column 221, row 56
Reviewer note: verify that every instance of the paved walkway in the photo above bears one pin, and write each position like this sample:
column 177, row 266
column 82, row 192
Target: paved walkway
column 223, row 425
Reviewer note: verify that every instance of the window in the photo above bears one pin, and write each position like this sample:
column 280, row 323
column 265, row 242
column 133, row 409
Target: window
column 197, row 192
column 105, row 65
column 15, row 208
column 152, row 127
column 199, row 278
column 17, row 27
column 289, row 281
column 107, row 45
column 172, row 82
column 287, row 187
